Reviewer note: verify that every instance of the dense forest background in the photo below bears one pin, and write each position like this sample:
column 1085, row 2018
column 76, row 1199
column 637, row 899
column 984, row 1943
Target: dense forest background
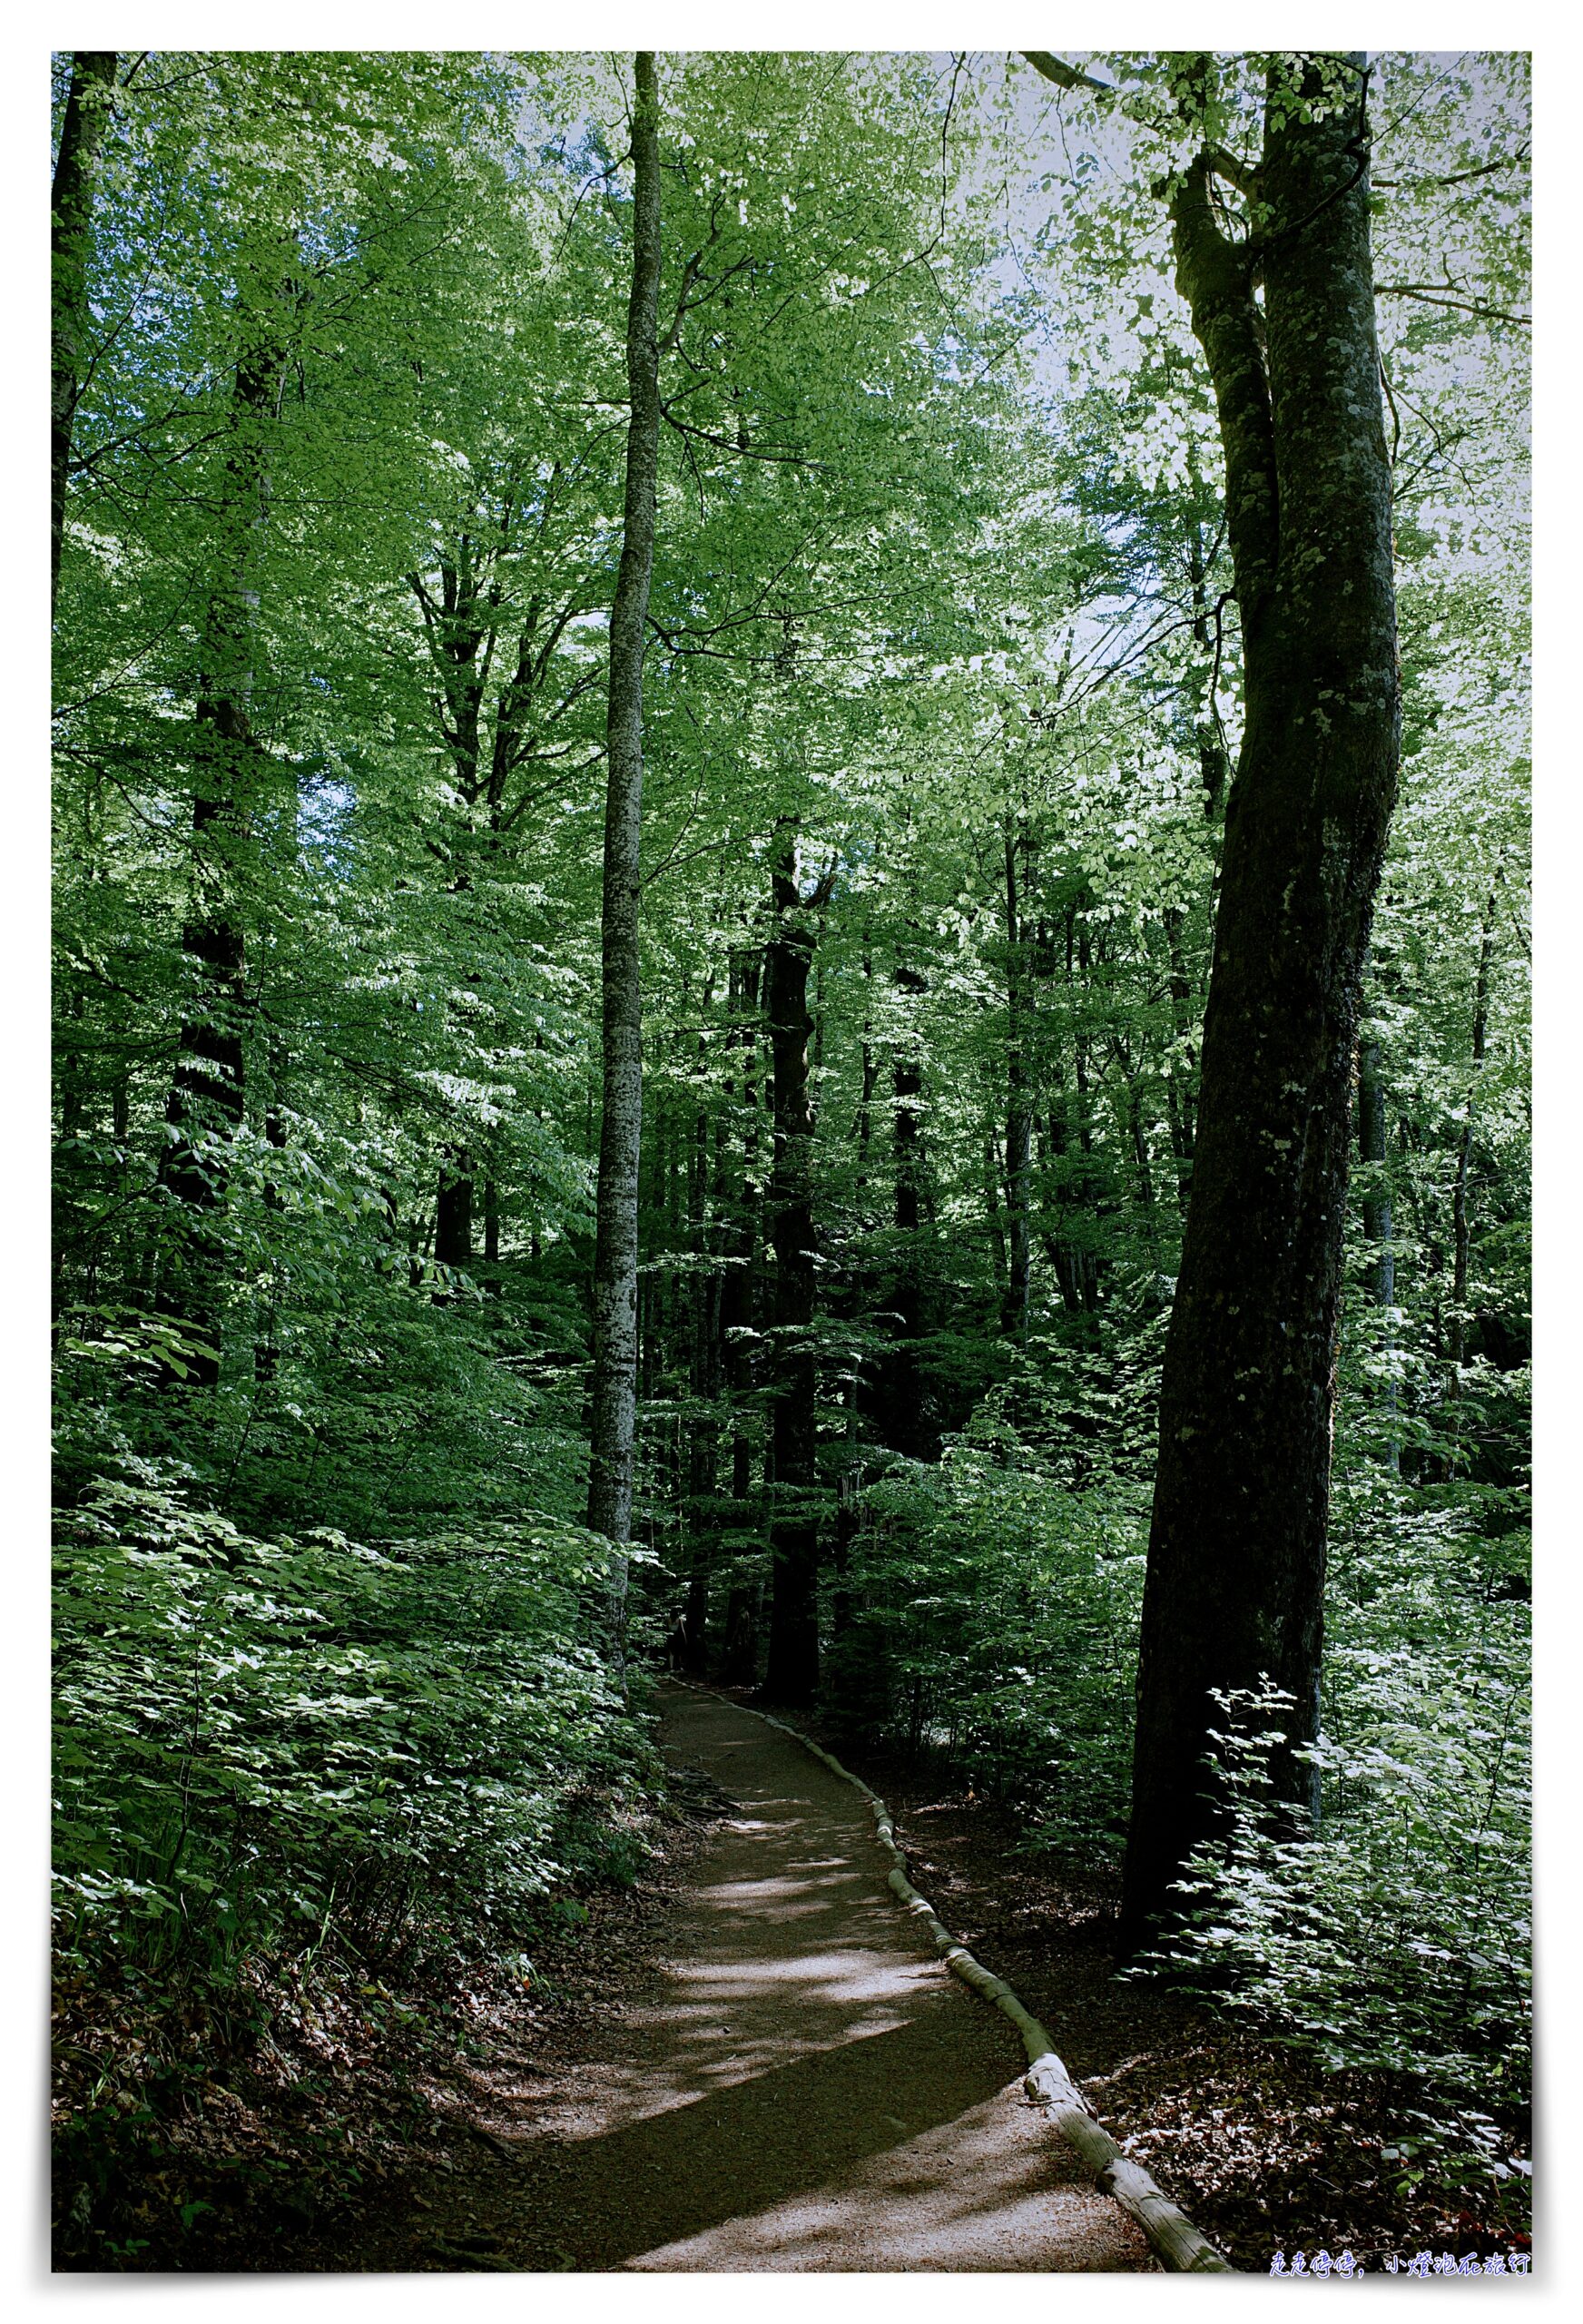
column 943, row 694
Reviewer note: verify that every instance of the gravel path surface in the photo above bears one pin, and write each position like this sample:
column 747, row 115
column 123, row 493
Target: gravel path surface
column 801, row 2086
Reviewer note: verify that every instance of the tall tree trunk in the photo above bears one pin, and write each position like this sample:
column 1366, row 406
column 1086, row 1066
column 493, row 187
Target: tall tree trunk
column 1063, row 1255
column 1140, row 1144
column 738, row 1201
column 1236, row 1579
column 792, row 1671
column 739, row 1301
column 1376, row 1207
column 453, row 1221
column 1019, row 1112
column 72, row 211
column 905, row 1426
column 998, row 1260
column 703, row 1287
column 614, row 1382
column 1075, row 1192
column 1460, row 1238
column 207, row 1087
column 863, row 1126
column 1179, row 1080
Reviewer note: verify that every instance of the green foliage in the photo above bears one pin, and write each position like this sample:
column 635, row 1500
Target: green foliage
column 1007, row 1608
column 941, row 586
column 261, row 1741
column 1397, row 1935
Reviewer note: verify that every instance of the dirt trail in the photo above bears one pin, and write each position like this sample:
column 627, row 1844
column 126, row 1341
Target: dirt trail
column 802, row 2087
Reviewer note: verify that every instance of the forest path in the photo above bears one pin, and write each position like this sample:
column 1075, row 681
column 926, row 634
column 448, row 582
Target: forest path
column 802, row 2085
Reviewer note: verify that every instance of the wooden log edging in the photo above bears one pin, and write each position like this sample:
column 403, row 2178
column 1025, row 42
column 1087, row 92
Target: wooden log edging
column 1171, row 2234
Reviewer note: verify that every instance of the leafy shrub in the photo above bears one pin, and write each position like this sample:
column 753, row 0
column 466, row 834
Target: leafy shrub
column 1396, row 1937
column 1006, row 1598
column 260, row 1740
column 1008, row 1604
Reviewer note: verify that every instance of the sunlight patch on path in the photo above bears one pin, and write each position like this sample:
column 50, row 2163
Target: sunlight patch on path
column 803, row 2086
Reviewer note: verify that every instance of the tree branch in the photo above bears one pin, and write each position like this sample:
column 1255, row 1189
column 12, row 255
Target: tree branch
column 1065, row 76
column 740, row 450
column 1461, row 177
column 1244, row 175
column 1214, row 275
column 1462, row 306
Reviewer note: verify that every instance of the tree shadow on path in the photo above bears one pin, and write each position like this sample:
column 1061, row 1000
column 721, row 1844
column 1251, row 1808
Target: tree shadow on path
column 802, row 2087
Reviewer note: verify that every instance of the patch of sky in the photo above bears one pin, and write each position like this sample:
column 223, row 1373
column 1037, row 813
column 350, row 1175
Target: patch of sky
column 325, row 806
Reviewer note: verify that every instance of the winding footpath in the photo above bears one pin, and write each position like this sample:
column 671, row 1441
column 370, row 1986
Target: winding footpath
column 803, row 2086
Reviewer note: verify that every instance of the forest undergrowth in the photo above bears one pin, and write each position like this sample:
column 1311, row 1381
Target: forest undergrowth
column 223, row 2104
column 319, row 1807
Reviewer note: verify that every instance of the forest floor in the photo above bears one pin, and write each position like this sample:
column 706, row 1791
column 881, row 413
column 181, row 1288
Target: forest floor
column 750, row 2062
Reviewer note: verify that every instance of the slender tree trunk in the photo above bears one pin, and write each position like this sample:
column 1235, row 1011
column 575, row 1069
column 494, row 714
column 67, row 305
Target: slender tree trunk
column 1179, row 1085
column 453, row 1223
column 1460, row 1238
column 72, row 211
column 1140, row 1145
column 905, row 1426
column 1236, row 1579
column 863, row 1126
column 739, row 1293
column 1376, row 1207
column 705, row 1286
column 206, row 1103
column 1018, row 1114
column 792, row 1671
column 1076, row 1191
column 1065, row 1256
column 998, row 1258
column 614, row 1381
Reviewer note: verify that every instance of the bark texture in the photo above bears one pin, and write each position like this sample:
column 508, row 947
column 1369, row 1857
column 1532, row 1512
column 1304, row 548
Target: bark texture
column 70, row 217
column 1237, row 1547
column 614, row 1382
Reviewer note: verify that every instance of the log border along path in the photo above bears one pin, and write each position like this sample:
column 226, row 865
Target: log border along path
column 1048, row 2083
